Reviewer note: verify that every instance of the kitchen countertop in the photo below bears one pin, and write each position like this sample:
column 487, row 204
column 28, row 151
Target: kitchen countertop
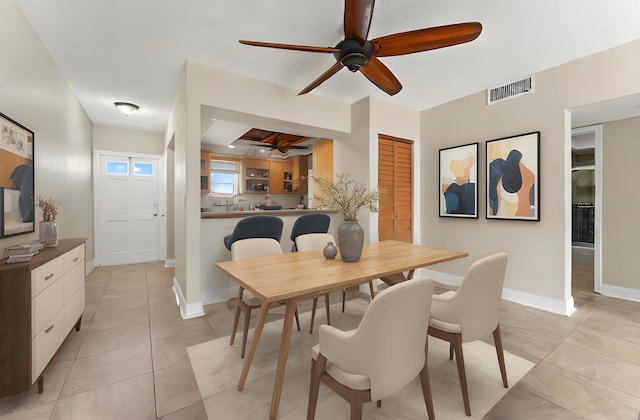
column 283, row 212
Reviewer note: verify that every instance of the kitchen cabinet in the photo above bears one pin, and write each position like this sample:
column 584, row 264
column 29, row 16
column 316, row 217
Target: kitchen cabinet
column 205, row 170
column 256, row 175
column 276, row 176
column 42, row 301
column 322, row 164
column 281, row 176
column 300, row 169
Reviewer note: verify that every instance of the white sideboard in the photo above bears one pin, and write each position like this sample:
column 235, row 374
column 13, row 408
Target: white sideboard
column 42, row 301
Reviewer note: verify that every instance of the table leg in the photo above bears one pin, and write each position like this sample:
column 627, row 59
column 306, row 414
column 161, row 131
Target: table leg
column 282, row 358
column 248, row 358
column 397, row 278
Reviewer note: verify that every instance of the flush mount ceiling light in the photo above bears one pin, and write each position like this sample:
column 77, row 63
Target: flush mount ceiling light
column 126, row 108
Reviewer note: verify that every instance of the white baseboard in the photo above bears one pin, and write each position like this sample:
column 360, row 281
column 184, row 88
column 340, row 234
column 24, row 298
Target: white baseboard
column 187, row 310
column 556, row 306
column 169, row 263
column 620, row 292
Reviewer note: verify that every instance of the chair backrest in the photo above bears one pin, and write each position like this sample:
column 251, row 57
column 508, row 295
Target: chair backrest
column 389, row 343
column 311, row 241
column 310, row 223
column 480, row 294
column 255, row 247
column 260, row 226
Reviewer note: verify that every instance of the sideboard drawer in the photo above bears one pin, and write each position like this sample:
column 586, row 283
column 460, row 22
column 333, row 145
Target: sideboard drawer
column 46, row 343
column 73, row 280
column 43, row 276
column 73, row 257
column 45, row 305
column 73, row 309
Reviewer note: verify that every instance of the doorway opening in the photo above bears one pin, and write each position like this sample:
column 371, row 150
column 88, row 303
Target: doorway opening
column 586, row 206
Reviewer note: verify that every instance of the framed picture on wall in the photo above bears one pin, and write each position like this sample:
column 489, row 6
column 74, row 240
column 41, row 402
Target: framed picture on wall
column 513, row 177
column 458, row 187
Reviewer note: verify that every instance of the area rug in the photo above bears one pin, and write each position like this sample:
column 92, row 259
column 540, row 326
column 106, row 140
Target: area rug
column 217, row 367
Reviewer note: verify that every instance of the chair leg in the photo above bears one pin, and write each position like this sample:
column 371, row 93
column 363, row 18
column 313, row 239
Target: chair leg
column 326, row 305
column 344, row 297
column 461, row 373
column 373, row 293
column 313, row 314
column 247, row 319
column 450, row 351
column 297, row 319
column 356, row 405
column 317, row 370
column 497, row 338
column 236, row 318
column 426, row 384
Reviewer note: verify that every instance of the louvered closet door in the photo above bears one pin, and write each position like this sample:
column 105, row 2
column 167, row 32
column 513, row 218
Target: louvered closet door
column 395, row 219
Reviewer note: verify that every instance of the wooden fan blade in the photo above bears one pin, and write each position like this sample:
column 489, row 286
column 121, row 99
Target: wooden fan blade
column 327, row 74
column 381, row 76
column 291, row 47
column 426, row 39
column 357, row 19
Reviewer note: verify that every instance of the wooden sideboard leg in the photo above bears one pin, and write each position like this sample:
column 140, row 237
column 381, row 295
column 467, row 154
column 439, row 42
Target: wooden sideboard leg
column 41, row 384
column 78, row 323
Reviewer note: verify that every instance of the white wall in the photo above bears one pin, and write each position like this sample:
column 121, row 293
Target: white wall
column 116, row 139
column 33, row 93
column 620, row 204
column 539, row 252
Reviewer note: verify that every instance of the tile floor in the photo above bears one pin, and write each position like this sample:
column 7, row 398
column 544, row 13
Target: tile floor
column 129, row 360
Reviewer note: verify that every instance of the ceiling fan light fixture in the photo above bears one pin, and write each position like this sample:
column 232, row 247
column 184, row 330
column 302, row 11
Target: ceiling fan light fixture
column 126, row 108
column 354, row 61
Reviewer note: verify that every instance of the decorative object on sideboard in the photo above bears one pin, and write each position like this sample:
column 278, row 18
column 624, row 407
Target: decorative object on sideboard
column 48, row 225
column 348, row 197
column 23, row 252
column 330, row 251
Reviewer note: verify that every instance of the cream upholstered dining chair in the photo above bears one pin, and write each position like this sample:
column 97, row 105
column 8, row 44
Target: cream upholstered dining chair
column 308, row 242
column 470, row 313
column 311, row 241
column 380, row 357
column 240, row 250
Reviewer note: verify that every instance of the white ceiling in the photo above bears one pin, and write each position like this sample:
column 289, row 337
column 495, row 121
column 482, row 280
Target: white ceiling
column 134, row 51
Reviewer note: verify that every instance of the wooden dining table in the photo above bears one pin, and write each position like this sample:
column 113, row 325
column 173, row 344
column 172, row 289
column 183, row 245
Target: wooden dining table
column 299, row 276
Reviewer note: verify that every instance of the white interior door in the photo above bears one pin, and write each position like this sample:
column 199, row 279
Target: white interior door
column 127, row 210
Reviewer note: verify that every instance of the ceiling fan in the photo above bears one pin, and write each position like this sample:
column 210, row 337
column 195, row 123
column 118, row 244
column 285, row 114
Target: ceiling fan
column 357, row 53
column 281, row 142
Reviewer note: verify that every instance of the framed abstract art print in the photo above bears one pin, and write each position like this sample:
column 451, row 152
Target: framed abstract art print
column 459, row 181
column 513, row 177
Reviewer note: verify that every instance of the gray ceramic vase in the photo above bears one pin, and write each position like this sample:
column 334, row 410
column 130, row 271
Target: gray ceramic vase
column 330, row 251
column 350, row 240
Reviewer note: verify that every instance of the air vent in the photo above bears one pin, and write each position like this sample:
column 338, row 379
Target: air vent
column 511, row 90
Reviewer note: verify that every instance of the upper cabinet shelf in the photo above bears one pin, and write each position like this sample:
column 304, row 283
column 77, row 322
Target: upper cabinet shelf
column 256, row 176
column 275, row 176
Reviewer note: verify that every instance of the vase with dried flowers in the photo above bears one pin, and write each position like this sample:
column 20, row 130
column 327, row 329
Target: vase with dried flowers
column 347, row 197
column 48, row 225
